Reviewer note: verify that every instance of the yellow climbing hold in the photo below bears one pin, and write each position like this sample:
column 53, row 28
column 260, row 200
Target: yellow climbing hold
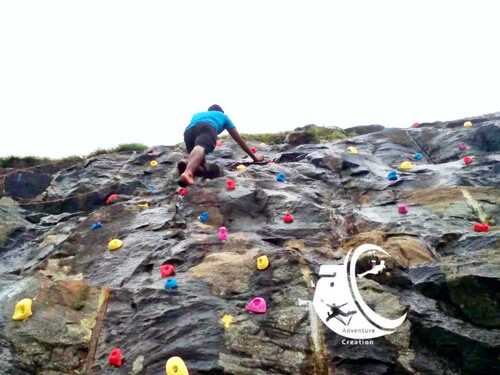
column 406, row 166
column 262, row 262
column 176, row 366
column 467, row 124
column 23, row 309
column 352, row 150
column 241, row 168
column 115, row 244
column 153, row 163
column 143, row 205
column 227, row 320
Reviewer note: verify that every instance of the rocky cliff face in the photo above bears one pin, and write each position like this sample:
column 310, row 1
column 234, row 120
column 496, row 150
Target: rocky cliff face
column 88, row 300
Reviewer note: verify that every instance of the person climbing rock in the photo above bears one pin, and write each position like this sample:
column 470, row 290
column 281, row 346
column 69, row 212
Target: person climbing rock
column 200, row 138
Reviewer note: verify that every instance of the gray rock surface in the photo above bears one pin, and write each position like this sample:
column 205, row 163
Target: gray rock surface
column 88, row 300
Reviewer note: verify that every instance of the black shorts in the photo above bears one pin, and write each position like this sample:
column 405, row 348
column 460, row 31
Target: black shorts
column 202, row 134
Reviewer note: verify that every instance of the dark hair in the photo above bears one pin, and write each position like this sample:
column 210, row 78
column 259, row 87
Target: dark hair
column 215, row 107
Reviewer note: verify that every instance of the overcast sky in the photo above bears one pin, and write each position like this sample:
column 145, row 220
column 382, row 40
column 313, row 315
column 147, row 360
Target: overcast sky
column 76, row 76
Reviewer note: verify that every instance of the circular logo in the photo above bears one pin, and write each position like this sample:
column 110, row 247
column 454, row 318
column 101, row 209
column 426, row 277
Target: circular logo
column 339, row 303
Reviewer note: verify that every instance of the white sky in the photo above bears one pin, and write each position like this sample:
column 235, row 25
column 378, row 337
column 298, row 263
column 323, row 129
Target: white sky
column 76, row 76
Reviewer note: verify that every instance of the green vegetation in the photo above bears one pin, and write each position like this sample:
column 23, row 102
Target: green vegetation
column 126, row 147
column 324, row 134
column 268, row 138
column 318, row 134
column 33, row 161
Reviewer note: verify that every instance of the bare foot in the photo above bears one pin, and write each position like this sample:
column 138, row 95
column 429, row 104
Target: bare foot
column 186, row 179
column 181, row 167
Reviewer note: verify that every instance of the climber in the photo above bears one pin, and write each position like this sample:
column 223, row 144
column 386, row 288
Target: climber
column 200, row 138
column 335, row 311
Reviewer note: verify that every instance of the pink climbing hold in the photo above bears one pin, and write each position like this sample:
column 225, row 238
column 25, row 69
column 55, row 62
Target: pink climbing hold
column 115, row 358
column 222, row 233
column 462, row 146
column 468, row 160
column 288, row 218
column 183, row 191
column 230, row 184
column 403, row 209
column 480, row 227
column 253, row 149
column 167, row 270
column 112, row 199
column 218, row 143
column 415, row 125
column 257, row 305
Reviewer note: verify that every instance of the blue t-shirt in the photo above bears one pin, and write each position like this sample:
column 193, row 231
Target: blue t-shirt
column 217, row 119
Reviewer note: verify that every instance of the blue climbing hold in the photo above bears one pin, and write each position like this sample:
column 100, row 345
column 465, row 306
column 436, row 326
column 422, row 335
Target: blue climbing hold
column 203, row 217
column 96, row 225
column 392, row 176
column 171, row 283
column 419, row 156
column 280, row 177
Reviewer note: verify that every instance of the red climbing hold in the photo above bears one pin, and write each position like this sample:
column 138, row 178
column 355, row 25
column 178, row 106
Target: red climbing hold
column 480, row 227
column 115, row 358
column 230, row 184
column 183, row 191
column 112, row 199
column 253, row 149
column 403, row 209
column 468, row 160
column 288, row 218
column 167, row 270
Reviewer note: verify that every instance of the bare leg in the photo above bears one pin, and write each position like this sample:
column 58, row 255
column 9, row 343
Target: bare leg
column 196, row 159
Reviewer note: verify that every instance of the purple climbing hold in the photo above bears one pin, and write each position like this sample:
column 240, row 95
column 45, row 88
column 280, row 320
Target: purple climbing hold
column 257, row 305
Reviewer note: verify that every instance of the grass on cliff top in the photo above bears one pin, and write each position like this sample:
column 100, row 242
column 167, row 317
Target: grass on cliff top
column 318, row 134
column 32, row 161
column 127, row 147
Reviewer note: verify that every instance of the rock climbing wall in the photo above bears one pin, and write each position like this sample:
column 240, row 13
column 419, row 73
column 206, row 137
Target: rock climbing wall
column 123, row 270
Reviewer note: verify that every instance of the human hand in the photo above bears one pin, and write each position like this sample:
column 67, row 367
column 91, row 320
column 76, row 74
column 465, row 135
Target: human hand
column 258, row 158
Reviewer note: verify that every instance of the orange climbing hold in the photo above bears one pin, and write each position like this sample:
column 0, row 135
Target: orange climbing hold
column 23, row 309
column 112, row 199
column 480, row 227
